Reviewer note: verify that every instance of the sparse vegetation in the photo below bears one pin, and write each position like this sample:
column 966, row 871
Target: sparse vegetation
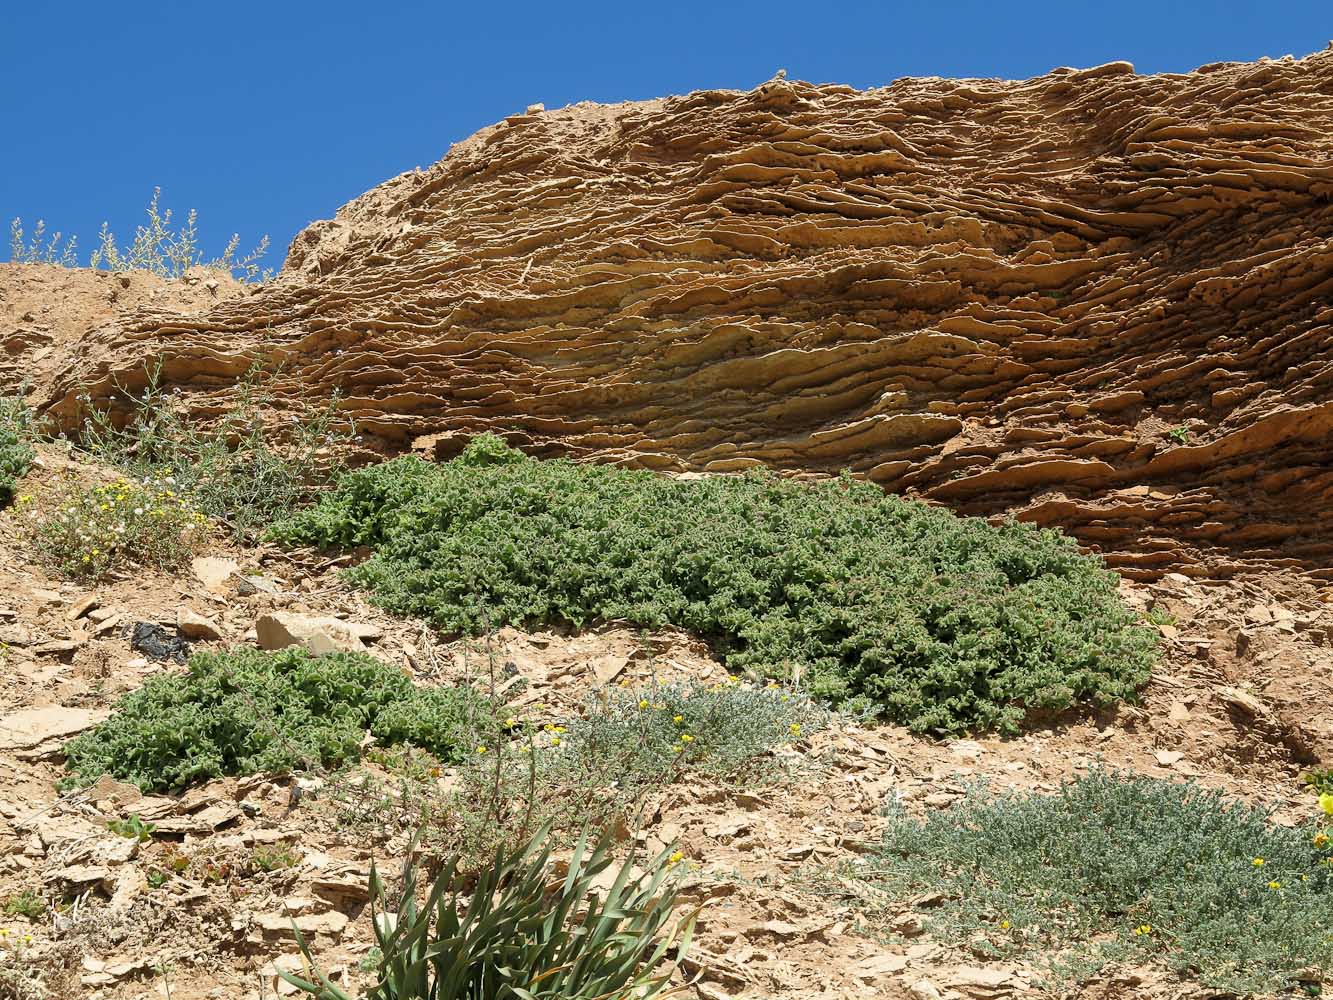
column 247, row 712
column 156, row 248
column 239, row 469
column 945, row 624
column 1180, row 435
column 1119, row 868
column 640, row 738
column 38, row 249
column 526, row 930
column 595, row 770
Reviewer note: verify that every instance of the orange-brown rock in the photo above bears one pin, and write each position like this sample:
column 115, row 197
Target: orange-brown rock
column 44, row 309
column 1004, row 296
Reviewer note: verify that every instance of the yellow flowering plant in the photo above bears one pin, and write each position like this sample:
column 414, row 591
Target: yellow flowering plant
column 87, row 532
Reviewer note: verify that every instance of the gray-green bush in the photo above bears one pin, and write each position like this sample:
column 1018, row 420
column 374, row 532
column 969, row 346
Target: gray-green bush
column 1120, row 868
column 944, row 623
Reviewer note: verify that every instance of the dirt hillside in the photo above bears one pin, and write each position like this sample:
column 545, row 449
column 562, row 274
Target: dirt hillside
column 204, row 909
column 1095, row 298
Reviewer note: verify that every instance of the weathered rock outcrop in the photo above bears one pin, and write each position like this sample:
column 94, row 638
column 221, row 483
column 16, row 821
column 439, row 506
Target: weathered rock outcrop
column 1094, row 299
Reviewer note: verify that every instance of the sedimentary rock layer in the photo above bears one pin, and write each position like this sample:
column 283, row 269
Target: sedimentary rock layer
column 1093, row 299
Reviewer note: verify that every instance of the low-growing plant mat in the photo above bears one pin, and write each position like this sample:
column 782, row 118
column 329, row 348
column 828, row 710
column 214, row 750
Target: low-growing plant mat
column 16, row 453
column 595, row 769
column 1114, row 868
column 945, row 624
column 247, row 712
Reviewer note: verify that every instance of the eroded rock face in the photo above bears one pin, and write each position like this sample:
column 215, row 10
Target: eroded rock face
column 1094, row 299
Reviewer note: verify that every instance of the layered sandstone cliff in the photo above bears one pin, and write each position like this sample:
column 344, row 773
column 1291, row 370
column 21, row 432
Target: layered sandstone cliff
column 1094, row 299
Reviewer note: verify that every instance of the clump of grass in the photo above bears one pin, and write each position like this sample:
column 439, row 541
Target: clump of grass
column 524, row 929
column 87, row 532
column 25, row 904
column 16, row 437
column 239, row 469
column 945, row 624
column 156, row 248
column 247, row 712
column 1118, row 868
column 170, row 253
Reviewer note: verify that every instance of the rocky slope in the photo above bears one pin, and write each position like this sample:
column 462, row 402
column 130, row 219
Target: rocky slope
column 1240, row 703
column 1096, row 299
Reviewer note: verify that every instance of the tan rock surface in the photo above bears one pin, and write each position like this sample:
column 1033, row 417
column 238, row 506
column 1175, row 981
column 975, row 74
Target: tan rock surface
column 1001, row 295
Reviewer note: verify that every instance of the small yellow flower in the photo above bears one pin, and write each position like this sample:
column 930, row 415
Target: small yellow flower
column 4, row 933
column 687, row 738
column 1321, row 839
column 676, row 858
column 786, row 697
column 559, row 729
column 1004, row 925
column 481, row 749
column 1275, row 885
column 643, row 702
column 511, row 722
column 1143, row 930
column 555, row 741
column 1258, row 862
column 796, row 729
column 548, row 728
column 1326, row 802
column 678, row 719
column 27, row 939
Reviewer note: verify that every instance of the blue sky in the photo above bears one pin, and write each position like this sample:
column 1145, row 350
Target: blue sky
column 266, row 116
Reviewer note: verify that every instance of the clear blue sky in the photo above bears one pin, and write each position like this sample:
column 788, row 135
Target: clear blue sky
column 266, row 116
